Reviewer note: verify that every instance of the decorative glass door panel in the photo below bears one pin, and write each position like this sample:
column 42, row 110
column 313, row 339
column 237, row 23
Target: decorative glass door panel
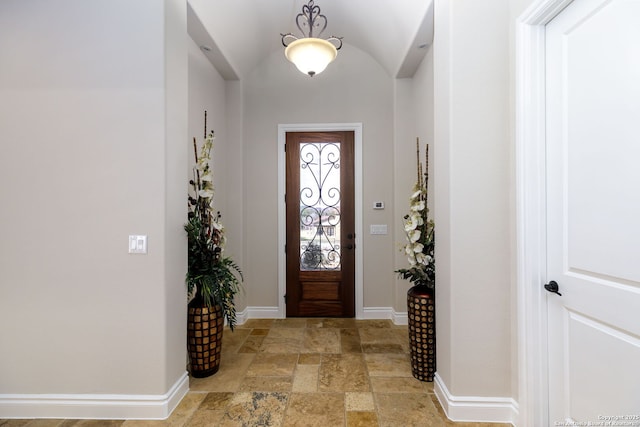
column 320, row 206
column 320, row 224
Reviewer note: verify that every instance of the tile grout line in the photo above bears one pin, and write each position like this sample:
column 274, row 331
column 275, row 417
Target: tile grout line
column 373, row 396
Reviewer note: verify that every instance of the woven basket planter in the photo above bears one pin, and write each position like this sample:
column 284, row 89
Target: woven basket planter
column 421, row 310
column 205, row 326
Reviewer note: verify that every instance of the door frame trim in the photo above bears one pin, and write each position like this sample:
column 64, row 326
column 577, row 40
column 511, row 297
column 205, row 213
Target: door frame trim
column 356, row 128
column 530, row 130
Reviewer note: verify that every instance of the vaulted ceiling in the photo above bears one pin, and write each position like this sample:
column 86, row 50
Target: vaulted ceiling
column 238, row 34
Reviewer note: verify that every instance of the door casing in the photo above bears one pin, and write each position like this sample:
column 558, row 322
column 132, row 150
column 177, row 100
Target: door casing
column 282, row 232
column 530, row 52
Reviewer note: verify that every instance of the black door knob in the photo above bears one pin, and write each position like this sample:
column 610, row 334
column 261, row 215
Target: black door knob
column 552, row 287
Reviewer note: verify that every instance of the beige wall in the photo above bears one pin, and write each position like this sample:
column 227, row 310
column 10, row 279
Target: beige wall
column 405, row 176
column 276, row 93
column 208, row 91
column 460, row 101
column 176, row 100
column 93, row 124
column 472, row 196
column 92, row 150
column 413, row 111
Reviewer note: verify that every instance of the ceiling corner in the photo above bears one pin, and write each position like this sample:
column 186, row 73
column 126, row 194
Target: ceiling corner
column 418, row 47
column 209, row 48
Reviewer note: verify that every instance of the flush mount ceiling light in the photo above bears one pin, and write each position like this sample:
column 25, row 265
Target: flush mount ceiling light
column 311, row 54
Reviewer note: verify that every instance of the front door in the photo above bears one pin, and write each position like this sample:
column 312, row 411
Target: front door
column 320, row 224
column 593, row 213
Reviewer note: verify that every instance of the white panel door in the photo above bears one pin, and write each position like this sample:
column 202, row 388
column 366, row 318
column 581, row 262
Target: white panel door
column 593, row 212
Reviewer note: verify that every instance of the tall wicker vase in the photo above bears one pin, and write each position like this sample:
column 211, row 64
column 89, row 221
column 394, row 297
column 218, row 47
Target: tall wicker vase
column 421, row 310
column 205, row 326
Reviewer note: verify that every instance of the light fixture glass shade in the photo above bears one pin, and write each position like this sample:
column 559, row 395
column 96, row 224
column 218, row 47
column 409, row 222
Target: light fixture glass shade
column 311, row 55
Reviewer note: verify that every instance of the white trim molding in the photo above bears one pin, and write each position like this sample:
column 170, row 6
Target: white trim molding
column 94, row 406
column 258, row 313
column 530, row 210
column 475, row 408
column 320, row 127
column 370, row 313
column 400, row 317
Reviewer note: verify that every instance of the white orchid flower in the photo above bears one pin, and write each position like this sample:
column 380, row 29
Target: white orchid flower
column 410, row 224
column 205, row 193
column 416, row 218
column 417, row 207
column 414, row 236
column 203, row 162
column 412, row 261
column 206, row 187
column 418, row 247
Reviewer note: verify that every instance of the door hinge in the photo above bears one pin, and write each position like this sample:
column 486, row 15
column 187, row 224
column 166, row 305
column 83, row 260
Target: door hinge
column 285, row 298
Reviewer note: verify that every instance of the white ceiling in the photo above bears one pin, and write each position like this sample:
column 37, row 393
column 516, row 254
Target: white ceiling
column 242, row 33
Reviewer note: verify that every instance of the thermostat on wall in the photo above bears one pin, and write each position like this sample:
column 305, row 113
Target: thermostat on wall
column 378, row 205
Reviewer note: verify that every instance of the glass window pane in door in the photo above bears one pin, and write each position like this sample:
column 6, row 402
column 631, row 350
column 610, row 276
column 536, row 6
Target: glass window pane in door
column 320, row 206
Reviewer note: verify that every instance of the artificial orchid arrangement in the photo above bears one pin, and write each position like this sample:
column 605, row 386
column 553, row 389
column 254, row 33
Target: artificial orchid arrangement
column 212, row 278
column 419, row 230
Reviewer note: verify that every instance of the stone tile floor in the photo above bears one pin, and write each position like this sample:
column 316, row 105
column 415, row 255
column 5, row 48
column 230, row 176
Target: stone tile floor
column 302, row 372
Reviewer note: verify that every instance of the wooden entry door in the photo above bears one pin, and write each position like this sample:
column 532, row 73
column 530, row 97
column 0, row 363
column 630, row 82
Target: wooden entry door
column 593, row 207
column 320, row 221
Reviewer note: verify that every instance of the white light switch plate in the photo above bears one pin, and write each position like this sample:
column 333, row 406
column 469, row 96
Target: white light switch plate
column 137, row 244
column 378, row 228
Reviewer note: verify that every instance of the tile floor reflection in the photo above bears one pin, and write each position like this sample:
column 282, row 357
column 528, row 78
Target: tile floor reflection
column 302, row 372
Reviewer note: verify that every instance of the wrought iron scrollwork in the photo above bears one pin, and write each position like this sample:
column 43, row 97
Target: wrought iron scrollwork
column 311, row 23
column 320, row 206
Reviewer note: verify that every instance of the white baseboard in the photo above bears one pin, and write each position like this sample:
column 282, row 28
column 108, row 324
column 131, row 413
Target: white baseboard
column 474, row 408
column 400, row 318
column 370, row 313
column 258, row 313
column 94, row 406
column 373, row 313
